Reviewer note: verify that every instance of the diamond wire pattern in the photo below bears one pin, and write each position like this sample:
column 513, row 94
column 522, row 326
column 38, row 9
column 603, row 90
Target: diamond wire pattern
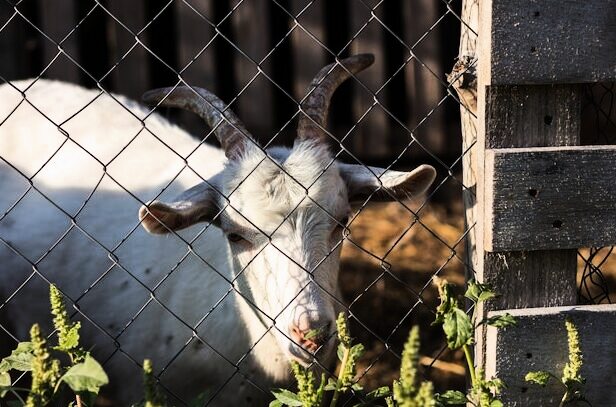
column 597, row 265
column 387, row 268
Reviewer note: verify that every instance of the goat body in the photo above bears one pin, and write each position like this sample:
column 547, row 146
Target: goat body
column 248, row 266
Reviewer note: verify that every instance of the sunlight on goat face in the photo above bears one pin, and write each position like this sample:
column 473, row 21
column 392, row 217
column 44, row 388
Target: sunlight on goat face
column 284, row 225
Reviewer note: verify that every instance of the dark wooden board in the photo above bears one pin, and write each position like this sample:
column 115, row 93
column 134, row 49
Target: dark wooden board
column 550, row 198
column 539, row 342
column 552, row 41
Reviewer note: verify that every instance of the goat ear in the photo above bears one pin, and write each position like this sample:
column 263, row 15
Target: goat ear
column 362, row 181
column 197, row 204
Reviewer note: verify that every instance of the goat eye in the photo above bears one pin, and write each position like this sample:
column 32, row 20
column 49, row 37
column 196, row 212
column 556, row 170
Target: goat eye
column 234, row 237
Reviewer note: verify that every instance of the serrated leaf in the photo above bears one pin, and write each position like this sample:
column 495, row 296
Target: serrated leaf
column 502, row 321
column 88, row 376
column 287, row 397
column 539, row 377
column 276, row 403
column 452, row 397
column 19, row 359
column 458, row 329
column 5, row 381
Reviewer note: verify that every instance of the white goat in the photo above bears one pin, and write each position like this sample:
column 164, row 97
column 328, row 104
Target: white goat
column 222, row 306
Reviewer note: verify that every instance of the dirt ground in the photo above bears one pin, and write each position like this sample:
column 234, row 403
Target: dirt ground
column 386, row 278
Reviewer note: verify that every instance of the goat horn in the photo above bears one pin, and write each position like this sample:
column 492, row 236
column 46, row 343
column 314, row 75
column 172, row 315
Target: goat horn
column 316, row 106
column 230, row 132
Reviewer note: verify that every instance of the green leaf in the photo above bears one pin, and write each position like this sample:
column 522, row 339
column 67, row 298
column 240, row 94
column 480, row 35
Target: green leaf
column 5, row 381
column 276, row 403
column 70, row 339
column 19, row 359
column 502, row 321
column 379, row 393
column 458, row 329
column 357, row 351
column 88, row 376
column 357, row 387
column 331, row 384
column 448, row 302
column 340, row 351
column 496, row 403
column 539, row 377
column 287, row 397
column 452, row 397
column 478, row 292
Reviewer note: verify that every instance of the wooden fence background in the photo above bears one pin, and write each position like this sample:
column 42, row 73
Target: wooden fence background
column 178, row 32
column 541, row 162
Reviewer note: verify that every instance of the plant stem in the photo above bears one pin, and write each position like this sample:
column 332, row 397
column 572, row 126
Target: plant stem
column 78, row 400
column 470, row 363
column 345, row 358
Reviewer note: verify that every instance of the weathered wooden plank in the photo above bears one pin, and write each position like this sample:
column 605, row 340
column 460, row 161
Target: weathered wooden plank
column 250, row 22
column 552, row 41
column 539, row 342
column 464, row 80
column 550, row 198
column 131, row 76
column 198, row 68
column 56, row 23
column 369, row 40
column 424, row 76
column 522, row 116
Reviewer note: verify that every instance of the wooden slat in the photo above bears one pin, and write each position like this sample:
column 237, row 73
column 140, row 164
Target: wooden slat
column 10, row 44
column 539, row 342
column 131, row 76
column 308, row 55
column 552, row 41
column 250, row 22
column 194, row 34
column 56, row 22
column 550, row 198
column 370, row 40
column 515, row 116
column 424, row 76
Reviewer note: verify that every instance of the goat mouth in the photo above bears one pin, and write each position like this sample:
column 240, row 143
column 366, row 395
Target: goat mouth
column 307, row 357
column 301, row 355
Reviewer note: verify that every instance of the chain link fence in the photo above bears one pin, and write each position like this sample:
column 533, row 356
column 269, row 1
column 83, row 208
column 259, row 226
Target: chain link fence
column 597, row 266
column 396, row 115
column 259, row 57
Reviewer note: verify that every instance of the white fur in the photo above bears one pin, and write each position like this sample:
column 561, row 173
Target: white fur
column 144, row 168
column 241, row 298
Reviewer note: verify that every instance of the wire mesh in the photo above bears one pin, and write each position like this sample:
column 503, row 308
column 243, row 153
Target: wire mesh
column 596, row 266
column 258, row 56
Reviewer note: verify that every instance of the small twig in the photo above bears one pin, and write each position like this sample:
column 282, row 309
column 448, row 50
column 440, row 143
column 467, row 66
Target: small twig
column 78, row 400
